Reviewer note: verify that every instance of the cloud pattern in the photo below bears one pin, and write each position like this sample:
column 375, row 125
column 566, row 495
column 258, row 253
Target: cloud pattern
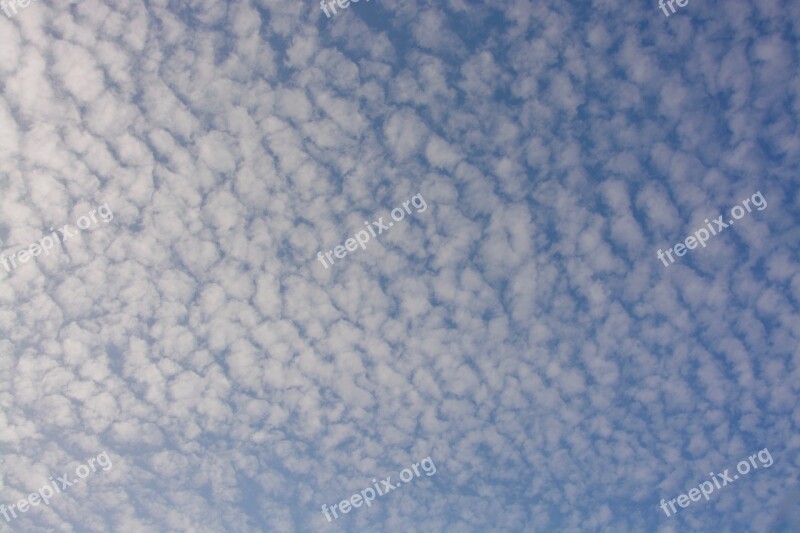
column 521, row 331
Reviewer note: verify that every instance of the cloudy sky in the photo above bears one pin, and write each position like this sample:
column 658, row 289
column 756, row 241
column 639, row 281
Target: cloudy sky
column 520, row 330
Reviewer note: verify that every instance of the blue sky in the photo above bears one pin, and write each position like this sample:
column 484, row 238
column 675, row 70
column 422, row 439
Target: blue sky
column 521, row 331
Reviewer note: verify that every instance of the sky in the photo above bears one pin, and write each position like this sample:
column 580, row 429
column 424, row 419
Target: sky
column 224, row 308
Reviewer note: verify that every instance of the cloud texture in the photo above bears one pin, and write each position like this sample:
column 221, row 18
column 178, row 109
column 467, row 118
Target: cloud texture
column 521, row 331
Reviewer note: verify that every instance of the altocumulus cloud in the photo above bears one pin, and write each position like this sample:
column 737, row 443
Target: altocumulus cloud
column 521, row 332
